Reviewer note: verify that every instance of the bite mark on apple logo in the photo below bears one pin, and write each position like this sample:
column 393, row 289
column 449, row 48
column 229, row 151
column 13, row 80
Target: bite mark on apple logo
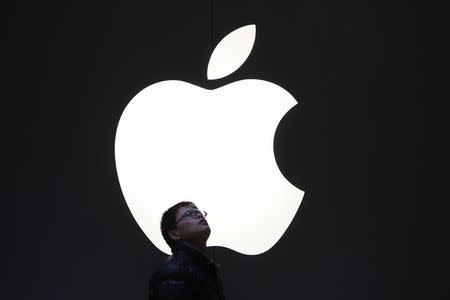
column 176, row 141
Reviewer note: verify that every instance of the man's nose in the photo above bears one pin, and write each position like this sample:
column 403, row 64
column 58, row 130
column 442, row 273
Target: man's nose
column 198, row 214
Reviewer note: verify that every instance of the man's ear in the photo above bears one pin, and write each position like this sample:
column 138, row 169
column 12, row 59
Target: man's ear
column 174, row 235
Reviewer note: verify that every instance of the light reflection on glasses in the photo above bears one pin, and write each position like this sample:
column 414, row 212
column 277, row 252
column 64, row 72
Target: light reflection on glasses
column 193, row 213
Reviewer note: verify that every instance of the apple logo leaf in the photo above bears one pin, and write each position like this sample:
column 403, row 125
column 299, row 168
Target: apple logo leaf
column 231, row 52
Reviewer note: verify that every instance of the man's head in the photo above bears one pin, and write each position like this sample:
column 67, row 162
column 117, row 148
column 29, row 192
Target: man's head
column 184, row 221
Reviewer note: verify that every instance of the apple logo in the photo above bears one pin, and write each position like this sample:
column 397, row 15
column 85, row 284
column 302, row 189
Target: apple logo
column 176, row 141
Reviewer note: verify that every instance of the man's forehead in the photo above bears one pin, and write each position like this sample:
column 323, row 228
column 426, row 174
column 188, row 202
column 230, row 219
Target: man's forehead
column 184, row 209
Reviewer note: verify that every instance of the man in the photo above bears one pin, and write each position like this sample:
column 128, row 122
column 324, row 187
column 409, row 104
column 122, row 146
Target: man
column 188, row 273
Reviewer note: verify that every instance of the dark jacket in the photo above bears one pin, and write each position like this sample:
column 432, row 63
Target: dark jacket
column 186, row 275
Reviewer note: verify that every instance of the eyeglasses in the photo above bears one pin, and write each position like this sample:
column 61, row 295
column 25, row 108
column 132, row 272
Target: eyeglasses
column 193, row 213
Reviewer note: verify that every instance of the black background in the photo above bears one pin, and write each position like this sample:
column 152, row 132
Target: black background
column 364, row 143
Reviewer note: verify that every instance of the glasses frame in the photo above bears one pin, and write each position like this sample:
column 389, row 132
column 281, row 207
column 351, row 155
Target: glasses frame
column 192, row 213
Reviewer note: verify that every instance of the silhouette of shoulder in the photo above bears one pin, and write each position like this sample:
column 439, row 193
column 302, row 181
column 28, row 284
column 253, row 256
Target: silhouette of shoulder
column 177, row 266
column 186, row 274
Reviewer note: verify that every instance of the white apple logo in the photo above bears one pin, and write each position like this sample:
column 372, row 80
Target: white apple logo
column 176, row 141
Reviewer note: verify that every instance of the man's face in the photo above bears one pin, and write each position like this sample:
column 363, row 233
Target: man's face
column 191, row 226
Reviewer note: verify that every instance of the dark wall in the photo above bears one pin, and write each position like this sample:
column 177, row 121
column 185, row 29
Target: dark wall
column 364, row 143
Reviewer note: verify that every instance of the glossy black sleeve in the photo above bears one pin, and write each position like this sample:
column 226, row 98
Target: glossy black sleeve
column 173, row 290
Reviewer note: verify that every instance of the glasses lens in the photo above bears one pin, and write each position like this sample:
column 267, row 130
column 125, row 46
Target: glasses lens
column 196, row 213
column 193, row 213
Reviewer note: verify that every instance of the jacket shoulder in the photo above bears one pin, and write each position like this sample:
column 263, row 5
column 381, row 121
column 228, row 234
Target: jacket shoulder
column 174, row 279
column 176, row 267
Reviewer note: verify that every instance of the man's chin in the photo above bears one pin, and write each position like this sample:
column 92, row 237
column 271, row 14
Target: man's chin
column 207, row 231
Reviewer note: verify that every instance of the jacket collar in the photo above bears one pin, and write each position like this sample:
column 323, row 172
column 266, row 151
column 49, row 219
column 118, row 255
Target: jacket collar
column 183, row 245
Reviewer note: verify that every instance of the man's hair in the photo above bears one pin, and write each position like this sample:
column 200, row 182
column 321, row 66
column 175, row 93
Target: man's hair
column 168, row 220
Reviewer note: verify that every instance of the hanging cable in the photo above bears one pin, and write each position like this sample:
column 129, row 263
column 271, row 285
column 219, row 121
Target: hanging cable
column 212, row 25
